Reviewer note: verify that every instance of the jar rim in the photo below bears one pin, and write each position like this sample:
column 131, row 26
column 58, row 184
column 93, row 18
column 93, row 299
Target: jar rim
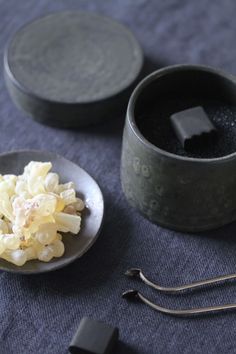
column 154, row 76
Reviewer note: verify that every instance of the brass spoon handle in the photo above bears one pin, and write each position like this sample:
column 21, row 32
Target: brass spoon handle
column 137, row 273
column 135, row 295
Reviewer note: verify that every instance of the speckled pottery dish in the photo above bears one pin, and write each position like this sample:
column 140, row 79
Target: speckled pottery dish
column 75, row 245
column 182, row 190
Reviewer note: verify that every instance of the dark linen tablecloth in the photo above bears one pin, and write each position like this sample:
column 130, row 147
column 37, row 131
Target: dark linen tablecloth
column 39, row 314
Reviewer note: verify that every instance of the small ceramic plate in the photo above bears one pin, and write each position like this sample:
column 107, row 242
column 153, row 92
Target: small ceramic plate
column 88, row 190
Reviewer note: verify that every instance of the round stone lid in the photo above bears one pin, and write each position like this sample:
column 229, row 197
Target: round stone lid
column 71, row 68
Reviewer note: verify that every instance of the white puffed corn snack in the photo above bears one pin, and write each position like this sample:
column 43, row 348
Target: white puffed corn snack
column 34, row 209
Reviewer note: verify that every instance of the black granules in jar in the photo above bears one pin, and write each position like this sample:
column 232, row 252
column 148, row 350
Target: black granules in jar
column 156, row 127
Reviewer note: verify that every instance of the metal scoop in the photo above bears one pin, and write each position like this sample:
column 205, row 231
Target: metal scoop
column 135, row 295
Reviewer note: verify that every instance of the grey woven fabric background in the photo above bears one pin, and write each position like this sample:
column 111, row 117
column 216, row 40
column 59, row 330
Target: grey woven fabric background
column 39, row 314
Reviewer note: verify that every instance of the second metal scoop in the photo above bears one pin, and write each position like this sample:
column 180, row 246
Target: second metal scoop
column 137, row 273
column 135, row 295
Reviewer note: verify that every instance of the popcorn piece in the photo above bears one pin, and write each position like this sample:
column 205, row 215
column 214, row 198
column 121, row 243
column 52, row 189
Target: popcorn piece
column 17, row 257
column 3, row 227
column 51, row 182
column 79, row 204
column 70, row 209
column 67, row 222
column 46, row 234
column 68, row 196
column 10, row 241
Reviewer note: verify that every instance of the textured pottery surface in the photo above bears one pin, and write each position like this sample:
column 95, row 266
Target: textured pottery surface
column 177, row 192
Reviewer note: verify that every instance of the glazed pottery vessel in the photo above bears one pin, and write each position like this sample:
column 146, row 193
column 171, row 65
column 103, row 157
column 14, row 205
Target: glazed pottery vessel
column 178, row 192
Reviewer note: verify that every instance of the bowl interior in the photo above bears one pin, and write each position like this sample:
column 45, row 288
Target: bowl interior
column 172, row 91
column 87, row 189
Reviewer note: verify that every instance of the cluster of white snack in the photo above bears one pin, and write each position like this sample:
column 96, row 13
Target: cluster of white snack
column 34, row 209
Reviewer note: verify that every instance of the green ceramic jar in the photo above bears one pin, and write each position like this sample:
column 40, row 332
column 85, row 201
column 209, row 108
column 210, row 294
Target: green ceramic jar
column 178, row 192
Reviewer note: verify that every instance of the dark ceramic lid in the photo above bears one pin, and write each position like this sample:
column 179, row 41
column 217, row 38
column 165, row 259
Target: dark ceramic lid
column 71, row 68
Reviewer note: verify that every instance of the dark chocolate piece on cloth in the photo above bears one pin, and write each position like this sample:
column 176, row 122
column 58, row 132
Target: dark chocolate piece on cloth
column 94, row 337
column 192, row 126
